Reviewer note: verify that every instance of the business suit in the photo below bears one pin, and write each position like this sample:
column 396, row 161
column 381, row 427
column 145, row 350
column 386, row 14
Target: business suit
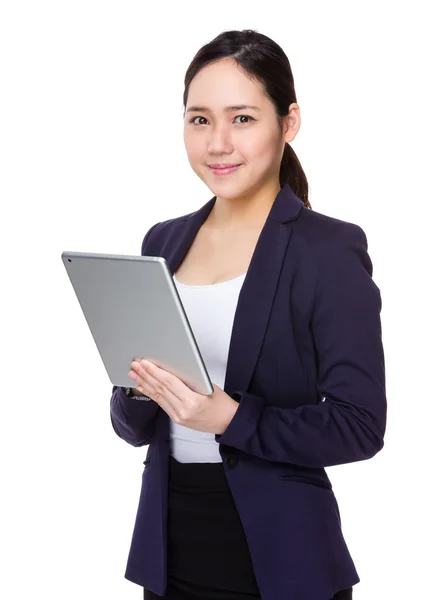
column 306, row 365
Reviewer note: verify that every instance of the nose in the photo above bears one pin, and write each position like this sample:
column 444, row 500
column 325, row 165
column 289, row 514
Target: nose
column 219, row 141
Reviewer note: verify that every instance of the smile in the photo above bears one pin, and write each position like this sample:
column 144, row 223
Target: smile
column 224, row 171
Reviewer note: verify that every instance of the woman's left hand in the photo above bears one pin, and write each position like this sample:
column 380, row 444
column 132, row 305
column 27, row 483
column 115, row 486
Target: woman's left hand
column 185, row 407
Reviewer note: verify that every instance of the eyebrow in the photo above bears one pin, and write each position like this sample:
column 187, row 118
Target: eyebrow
column 227, row 108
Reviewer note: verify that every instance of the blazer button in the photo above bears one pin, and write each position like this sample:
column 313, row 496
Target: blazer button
column 231, row 461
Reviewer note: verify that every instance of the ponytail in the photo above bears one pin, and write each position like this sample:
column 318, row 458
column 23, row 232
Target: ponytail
column 291, row 172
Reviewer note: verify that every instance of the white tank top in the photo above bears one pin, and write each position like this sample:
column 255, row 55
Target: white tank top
column 210, row 310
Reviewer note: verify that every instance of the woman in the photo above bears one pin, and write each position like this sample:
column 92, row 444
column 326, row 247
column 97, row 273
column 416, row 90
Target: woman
column 235, row 501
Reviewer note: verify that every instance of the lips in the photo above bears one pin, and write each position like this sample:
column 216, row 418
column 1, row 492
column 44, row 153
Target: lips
column 223, row 169
column 224, row 165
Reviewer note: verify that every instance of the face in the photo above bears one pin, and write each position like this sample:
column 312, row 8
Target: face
column 215, row 134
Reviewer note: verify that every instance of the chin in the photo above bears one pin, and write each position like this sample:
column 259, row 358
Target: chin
column 227, row 191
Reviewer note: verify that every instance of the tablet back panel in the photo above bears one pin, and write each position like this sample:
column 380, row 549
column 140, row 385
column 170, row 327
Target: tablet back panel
column 133, row 309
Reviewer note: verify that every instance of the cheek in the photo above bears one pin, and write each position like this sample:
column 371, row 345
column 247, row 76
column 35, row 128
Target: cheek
column 261, row 151
column 260, row 145
column 194, row 147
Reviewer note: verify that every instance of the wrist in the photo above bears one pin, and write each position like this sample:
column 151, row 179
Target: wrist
column 136, row 392
column 133, row 392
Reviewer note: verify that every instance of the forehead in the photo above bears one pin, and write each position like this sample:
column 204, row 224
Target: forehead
column 223, row 83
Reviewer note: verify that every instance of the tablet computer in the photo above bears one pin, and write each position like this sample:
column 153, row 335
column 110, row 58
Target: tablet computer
column 133, row 309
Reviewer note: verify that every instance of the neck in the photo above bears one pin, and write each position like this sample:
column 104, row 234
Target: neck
column 248, row 210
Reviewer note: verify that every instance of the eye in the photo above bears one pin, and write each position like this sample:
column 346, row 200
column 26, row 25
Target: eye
column 237, row 117
column 245, row 117
column 194, row 118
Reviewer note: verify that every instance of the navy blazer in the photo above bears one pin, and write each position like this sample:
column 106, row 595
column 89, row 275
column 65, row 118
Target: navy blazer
column 306, row 365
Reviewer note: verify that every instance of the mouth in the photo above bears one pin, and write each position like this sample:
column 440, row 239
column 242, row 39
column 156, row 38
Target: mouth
column 223, row 169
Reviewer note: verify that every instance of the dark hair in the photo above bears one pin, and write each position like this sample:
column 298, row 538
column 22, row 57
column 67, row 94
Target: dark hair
column 262, row 60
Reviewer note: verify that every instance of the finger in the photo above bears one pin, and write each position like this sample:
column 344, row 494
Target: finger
column 143, row 373
column 148, row 389
column 143, row 378
column 140, row 384
column 173, row 383
column 160, row 389
column 173, row 389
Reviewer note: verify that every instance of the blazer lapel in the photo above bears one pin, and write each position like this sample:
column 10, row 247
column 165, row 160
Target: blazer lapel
column 258, row 290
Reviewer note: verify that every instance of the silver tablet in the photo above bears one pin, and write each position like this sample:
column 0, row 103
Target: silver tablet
column 133, row 310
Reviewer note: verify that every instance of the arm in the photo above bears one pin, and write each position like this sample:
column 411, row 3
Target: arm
column 133, row 418
column 349, row 425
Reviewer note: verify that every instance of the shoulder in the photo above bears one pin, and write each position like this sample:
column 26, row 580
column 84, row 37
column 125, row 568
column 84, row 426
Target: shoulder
column 322, row 232
column 329, row 245
column 162, row 232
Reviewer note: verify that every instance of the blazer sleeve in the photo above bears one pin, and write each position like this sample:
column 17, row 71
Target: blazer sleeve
column 133, row 419
column 348, row 423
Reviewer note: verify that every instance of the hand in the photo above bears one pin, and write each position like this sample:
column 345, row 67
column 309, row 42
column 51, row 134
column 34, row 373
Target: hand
column 184, row 406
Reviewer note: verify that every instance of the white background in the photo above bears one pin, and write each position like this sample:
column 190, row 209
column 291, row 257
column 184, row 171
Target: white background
column 92, row 155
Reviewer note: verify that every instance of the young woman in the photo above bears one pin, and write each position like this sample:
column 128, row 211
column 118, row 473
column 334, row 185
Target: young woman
column 235, row 501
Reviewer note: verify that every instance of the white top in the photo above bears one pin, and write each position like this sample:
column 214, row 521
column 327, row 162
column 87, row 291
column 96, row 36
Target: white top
column 210, row 310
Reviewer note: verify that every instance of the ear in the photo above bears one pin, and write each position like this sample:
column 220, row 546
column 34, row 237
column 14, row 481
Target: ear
column 291, row 122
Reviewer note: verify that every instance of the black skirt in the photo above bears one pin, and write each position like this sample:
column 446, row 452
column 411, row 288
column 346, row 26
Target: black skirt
column 207, row 555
